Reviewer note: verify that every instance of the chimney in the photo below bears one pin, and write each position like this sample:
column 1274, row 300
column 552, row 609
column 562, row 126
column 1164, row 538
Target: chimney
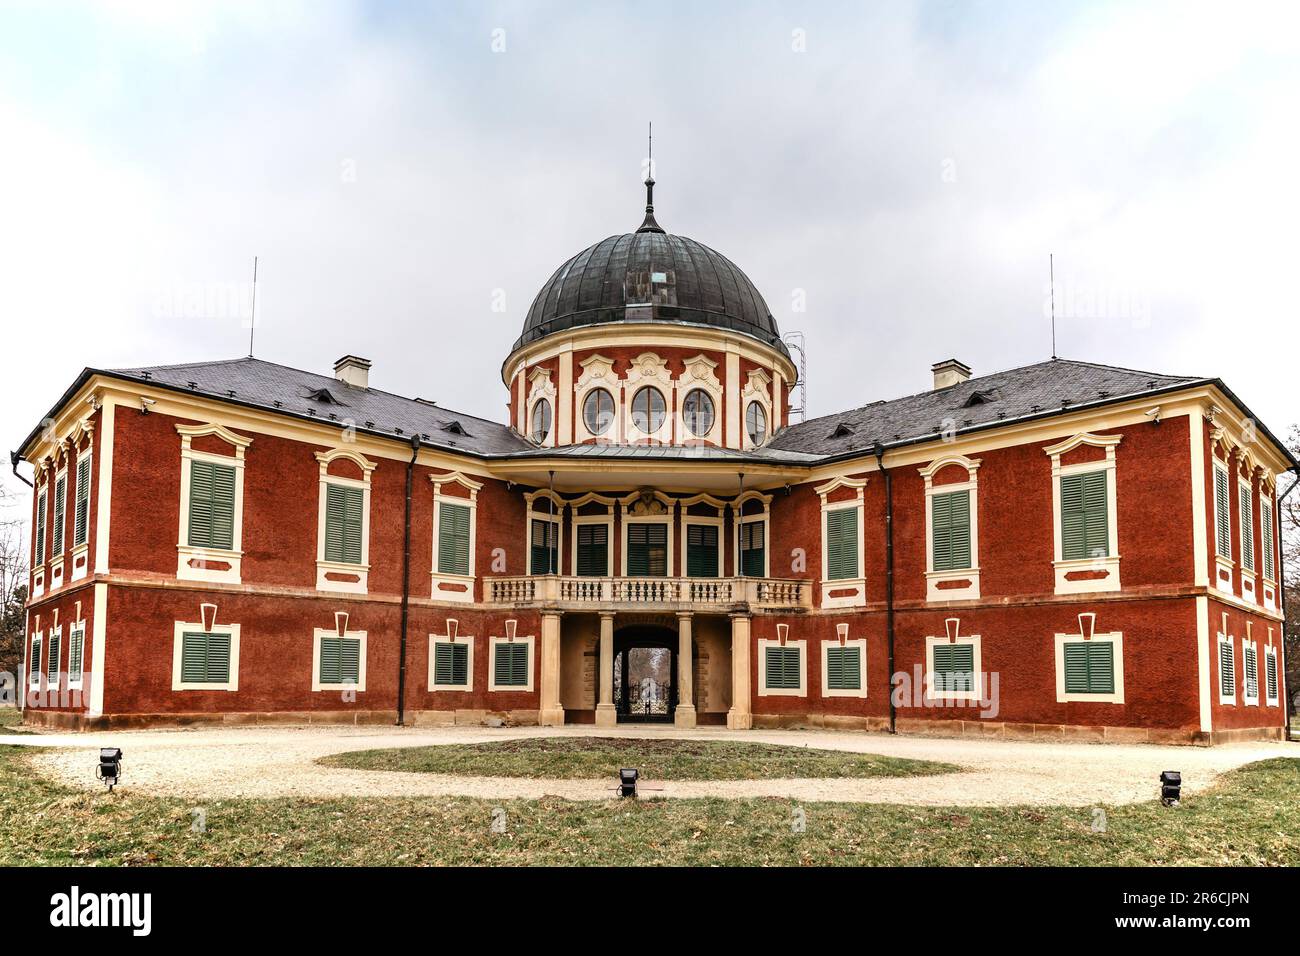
column 354, row 371
column 948, row 372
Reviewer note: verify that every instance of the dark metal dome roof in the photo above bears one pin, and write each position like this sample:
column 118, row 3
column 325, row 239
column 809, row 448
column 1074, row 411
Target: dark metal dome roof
column 650, row 276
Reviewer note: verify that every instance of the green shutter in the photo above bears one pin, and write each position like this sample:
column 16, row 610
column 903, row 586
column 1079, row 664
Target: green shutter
column 453, row 538
column 1247, row 529
column 843, row 668
column 701, row 551
column 545, row 556
column 593, row 550
column 205, row 658
column 340, row 660
column 42, row 506
column 1250, row 669
column 752, row 549
column 511, row 665
column 1227, row 670
column 344, row 505
column 212, row 505
column 1266, row 538
column 76, row 646
column 1085, row 531
column 842, row 544
column 1270, row 675
column 450, row 664
column 954, row 667
column 1090, row 667
column 81, row 516
column 647, row 550
column 1222, row 520
column 52, row 657
column 781, row 665
column 34, row 664
column 950, row 519
column 60, row 515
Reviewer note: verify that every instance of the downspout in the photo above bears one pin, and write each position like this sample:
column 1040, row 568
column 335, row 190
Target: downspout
column 14, row 459
column 1281, row 586
column 406, row 584
column 889, row 579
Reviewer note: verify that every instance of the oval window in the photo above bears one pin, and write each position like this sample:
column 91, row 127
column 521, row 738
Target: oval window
column 697, row 411
column 648, row 410
column 756, row 423
column 541, row 421
column 598, row 411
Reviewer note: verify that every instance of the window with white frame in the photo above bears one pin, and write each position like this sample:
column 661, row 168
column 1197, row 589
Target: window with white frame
column 34, row 661
column 42, row 511
column 1222, row 512
column 844, row 666
column 60, row 513
column 1246, row 512
column 343, row 522
column 1266, row 541
column 1090, row 669
column 1227, row 670
column 702, row 537
column 1249, row 673
column 510, row 667
column 338, row 660
column 210, row 541
column 455, row 520
column 752, row 511
column 952, row 538
column 544, row 528
column 451, row 660
column 953, row 668
column 76, row 653
column 843, row 578
column 1270, row 675
column 205, row 659
column 783, row 668
column 53, row 658
column 81, row 511
column 1084, row 518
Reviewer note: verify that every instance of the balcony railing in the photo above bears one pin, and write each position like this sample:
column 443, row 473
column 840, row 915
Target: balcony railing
column 579, row 593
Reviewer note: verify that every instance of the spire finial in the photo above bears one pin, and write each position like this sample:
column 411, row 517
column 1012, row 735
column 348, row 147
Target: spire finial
column 648, row 224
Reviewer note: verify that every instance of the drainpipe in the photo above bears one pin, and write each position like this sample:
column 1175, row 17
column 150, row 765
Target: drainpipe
column 889, row 578
column 406, row 584
column 14, row 459
column 1281, row 586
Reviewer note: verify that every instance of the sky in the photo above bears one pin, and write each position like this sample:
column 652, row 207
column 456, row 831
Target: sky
column 893, row 177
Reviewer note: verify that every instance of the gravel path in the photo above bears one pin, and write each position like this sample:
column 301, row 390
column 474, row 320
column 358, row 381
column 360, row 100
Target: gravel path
column 207, row 764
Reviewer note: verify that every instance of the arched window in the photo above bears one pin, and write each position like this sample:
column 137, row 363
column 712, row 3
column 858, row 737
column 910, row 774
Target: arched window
column 648, row 410
column 598, row 411
column 697, row 411
column 756, row 423
column 541, row 420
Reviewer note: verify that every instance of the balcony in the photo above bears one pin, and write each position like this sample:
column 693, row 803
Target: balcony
column 651, row 594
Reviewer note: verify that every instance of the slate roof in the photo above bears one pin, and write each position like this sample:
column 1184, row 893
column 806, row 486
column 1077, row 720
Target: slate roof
column 1055, row 386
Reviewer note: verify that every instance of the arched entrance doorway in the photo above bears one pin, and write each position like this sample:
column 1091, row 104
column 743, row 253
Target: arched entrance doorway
column 645, row 674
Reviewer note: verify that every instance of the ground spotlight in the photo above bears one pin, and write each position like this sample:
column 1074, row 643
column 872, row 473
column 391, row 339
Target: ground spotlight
column 627, row 778
column 1171, row 784
column 110, row 766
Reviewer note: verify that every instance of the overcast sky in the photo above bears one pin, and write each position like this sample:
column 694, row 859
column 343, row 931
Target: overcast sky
column 903, row 170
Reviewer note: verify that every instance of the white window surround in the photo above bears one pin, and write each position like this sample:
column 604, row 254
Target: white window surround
column 758, row 388
column 765, row 519
column 858, row 642
column 597, row 374
column 627, row 519
column 977, row 664
column 35, row 646
column 715, row 522
column 971, row 575
column 856, row 586
column 1270, row 650
column 606, row 519
column 700, row 373
column 763, row 689
column 192, row 563
column 541, row 388
column 178, row 643
column 1249, row 647
column 40, row 534
column 56, row 554
column 316, row 684
column 81, row 552
column 1114, row 638
column 452, row 637
column 1224, row 563
column 554, row 514
column 492, row 665
column 76, row 680
column 1228, row 640
column 361, row 571
column 461, row 586
column 648, row 369
column 1246, row 529
column 1108, row 564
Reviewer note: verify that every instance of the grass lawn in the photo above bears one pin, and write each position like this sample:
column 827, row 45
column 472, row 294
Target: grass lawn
column 590, row 758
column 1251, row 819
column 10, row 718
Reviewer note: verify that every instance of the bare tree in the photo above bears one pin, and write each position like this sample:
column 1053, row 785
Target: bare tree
column 13, row 583
column 1289, row 519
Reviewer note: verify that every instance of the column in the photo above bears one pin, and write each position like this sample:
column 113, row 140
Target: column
column 551, row 713
column 606, row 715
column 684, row 715
column 739, row 717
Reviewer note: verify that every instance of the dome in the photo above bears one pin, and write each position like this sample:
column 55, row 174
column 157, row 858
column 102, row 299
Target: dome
column 650, row 276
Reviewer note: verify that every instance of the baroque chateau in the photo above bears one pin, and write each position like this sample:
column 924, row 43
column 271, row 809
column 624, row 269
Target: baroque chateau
column 1066, row 549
